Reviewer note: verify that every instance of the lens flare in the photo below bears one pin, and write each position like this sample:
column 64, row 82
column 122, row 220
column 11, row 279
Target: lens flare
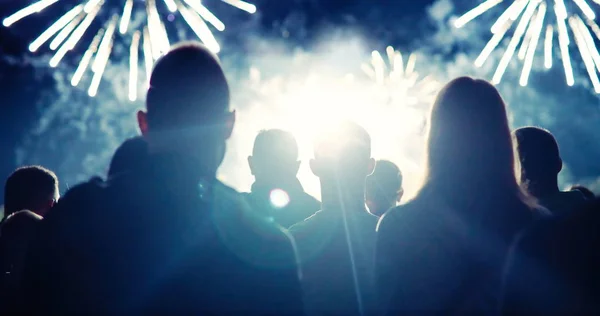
column 279, row 198
column 132, row 22
column 535, row 24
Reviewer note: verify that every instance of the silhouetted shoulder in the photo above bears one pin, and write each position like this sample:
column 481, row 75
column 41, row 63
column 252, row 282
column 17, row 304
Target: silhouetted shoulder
column 394, row 214
column 23, row 215
column 19, row 227
column 312, row 222
column 248, row 234
column 75, row 203
column 414, row 213
column 311, row 202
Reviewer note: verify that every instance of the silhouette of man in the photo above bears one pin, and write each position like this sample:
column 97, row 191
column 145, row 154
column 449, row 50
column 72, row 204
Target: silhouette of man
column 167, row 237
column 29, row 194
column 336, row 244
column 131, row 153
column 540, row 164
column 384, row 187
column 276, row 192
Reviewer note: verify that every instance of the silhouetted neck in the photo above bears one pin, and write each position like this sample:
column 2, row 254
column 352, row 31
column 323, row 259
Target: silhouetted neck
column 174, row 165
column 341, row 195
column 540, row 189
column 291, row 186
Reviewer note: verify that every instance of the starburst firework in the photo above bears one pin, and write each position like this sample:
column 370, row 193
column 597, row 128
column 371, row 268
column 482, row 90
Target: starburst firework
column 534, row 24
column 400, row 81
column 149, row 37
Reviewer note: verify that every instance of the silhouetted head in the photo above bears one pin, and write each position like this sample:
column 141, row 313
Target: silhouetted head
column 274, row 156
column 188, row 106
column 538, row 155
column 343, row 154
column 384, row 187
column 128, row 156
column 587, row 193
column 469, row 147
column 32, row 188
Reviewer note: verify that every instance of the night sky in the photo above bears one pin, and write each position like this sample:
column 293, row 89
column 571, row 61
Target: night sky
column 29, row 89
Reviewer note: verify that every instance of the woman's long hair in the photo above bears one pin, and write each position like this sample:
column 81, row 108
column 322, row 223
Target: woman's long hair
column 470, row 159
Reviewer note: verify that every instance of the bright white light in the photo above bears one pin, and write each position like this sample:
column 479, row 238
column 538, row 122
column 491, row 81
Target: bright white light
column 279, row 198
column 308, row 98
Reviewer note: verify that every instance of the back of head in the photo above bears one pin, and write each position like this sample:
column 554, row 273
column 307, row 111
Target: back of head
column 384, row 186
column 469, row 150
column 275, row 154
column 343, row 150
column 187, row 88
column 128, row 155
column 33, row 188
column 188, row 109
column 538, row 154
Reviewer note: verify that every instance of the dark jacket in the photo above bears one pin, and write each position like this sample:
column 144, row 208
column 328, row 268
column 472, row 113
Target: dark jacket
column 301, row 204
column 17, row 232
column 433, row 257
column 555, row 267
column 155, row 241
column 562, row 203
column 337, row 255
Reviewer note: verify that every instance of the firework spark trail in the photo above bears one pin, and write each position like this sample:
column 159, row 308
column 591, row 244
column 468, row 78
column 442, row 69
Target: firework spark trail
column 54, row 28
column 570, row 16
column 87, row 57
column 133, row 66
column 71, row 28
column 400, row 80
column 530, row 53
column 102, row 56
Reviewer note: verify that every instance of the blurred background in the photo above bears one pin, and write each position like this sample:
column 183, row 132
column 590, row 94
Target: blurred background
column 293, row 64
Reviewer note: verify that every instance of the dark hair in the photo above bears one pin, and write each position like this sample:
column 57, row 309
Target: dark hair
column 470, row 157
column 385, row 181
column 128, row 155
column 187, row 86
column 538, row 153
column 274, row 156
column 27, row 188
column 275, row 144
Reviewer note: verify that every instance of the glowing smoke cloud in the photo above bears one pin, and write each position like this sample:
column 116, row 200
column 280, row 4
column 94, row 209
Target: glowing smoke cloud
column 77, row 135
column 312, row 92
column 149, row 37
column 539, row 22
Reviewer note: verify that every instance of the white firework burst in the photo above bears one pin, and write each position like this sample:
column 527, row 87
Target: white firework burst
column 534, row 24
column 150, row 37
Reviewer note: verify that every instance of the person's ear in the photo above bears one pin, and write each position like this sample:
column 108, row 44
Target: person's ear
column 315, row 167
column 297, row 167
column 251, row 165
column 400, row 194
column 229, row 123
column 371, row 166
column 142, row 118
column 559, row 165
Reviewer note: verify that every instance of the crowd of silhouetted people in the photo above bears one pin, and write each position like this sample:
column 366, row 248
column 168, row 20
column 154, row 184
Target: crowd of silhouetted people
column 489, row 231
